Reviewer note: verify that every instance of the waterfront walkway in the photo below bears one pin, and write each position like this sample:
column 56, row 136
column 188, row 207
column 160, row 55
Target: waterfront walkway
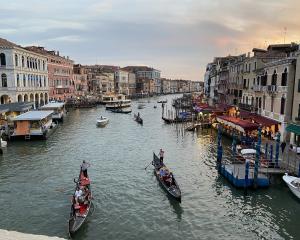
column 12, row 235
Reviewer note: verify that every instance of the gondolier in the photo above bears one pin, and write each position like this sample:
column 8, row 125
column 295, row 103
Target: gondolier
column 161, row 156
column 84, row 167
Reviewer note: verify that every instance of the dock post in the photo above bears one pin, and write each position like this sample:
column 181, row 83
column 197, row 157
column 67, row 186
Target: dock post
column 277, row 150
column 219, row 149
column 266, row 150
column 271, row 153
column 257, row 158
column 246, row 176
column 233, row 145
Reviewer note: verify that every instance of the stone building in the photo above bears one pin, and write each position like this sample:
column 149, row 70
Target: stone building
column 80, row 80
column 122, row 81
column 60, row 74
column 23, row 75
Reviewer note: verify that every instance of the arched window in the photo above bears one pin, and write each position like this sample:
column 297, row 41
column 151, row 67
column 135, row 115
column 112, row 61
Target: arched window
column 23, row 63
column 16, row 60
column 27, row 62
column 282, row 105
column 264, row 79
column 2, row 59
column 30, row 62
column 43, row 66
column 259, row 102
column 40, row 79
column 274, row 78
column 284, row 78
column 247, row 100
column 24, row 80
column 4, row 80
column 18, row 80
column 45, row 84
column 264, row 102
column 39, row 64
column 258, row 80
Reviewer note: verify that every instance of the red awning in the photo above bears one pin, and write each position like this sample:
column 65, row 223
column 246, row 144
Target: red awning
column 238, row 123
column 265, row 122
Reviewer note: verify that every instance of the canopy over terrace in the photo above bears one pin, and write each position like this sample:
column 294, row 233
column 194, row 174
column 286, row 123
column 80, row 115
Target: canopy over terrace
column 237, row 123
column 265, row 122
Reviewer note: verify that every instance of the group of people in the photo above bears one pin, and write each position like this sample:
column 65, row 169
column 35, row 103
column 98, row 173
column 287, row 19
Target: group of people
column 82, row 193
column 164, row 172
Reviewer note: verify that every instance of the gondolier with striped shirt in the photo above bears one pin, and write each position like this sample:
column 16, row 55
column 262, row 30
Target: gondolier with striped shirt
column 84, row 167
column 161, row 156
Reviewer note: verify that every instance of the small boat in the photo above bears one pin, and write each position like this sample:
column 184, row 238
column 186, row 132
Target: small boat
column 102, row 121
column 80, row 209
column 121, row 110
column 162, row 101
column 171, row 187
column 3, row 143
column 293, row 184
column 141, row 106
column 138, row 119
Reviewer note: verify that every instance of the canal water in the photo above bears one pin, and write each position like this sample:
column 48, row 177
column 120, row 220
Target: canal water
column 36, row 184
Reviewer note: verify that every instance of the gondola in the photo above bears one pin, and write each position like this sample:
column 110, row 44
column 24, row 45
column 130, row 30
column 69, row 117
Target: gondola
column 120, row 110
column 171, row 188
column 80, row 211
column 138, row 119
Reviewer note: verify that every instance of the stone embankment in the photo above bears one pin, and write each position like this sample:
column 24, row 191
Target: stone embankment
column 12, row 235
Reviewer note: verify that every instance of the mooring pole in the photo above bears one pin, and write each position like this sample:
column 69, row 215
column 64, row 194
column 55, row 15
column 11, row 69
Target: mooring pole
column 277, row 150
column 257, row 158
column 266, row 151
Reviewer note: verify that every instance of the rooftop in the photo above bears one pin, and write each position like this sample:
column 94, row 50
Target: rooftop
column 53, row 105
column 33, row 115
column 16, row 107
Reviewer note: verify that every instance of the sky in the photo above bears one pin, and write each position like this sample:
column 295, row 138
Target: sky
column 178, row 37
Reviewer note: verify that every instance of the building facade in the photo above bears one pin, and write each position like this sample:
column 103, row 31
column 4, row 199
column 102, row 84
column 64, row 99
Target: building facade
column 80, row 80
column 60, row 74
column 23, row 73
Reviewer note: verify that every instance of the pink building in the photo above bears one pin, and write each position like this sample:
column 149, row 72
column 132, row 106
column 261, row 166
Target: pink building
column 60, row 74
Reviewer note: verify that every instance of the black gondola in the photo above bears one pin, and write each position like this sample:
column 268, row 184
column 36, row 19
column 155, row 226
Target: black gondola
column 120, row 110
column 80, row 210
column 138, row 119
column 171, row 187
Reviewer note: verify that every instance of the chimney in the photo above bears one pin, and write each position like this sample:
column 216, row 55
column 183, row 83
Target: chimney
column 57, row 53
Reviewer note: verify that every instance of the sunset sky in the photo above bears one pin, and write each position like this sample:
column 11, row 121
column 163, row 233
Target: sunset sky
column 177, row 37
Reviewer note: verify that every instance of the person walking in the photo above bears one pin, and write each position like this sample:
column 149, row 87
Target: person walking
column 283, row 145
column 84, row 167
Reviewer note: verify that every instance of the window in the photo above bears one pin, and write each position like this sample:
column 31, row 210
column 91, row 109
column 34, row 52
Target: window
column 274, row 78
column 253, row 81
column 259, row 102
column 18, row 80
column 254, row 65
column 16, row 60
column 299, row 111
column 2, row 59
column 27, row 62
column 282, row 105
column 298, row 85
column 23, row 63
column 4, row 80
column 257, row 82
column 264, row 102
column 284, row 78
column 24, row 80
column 272, row 104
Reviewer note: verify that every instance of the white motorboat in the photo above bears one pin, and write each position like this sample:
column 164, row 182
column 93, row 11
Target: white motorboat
column 293, row 184
column 102, row 121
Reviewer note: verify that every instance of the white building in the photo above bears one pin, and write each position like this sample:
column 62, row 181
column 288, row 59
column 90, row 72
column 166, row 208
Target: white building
column 23, row 75
column 122, row 82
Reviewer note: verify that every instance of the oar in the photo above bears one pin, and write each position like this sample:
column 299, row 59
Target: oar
column 148, row 165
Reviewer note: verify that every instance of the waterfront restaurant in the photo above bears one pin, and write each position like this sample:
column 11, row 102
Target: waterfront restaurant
column 58, row 109
column 244, row 129
column 32, row 125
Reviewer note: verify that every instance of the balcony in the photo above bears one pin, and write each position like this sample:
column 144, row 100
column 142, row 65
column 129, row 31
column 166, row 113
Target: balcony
column 282, row 89
column 257, row 88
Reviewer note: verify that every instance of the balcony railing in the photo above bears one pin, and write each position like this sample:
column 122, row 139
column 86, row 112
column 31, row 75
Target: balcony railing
column 257, row 88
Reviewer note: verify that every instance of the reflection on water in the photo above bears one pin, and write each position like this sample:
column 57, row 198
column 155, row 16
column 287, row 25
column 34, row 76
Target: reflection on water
column 36, row 182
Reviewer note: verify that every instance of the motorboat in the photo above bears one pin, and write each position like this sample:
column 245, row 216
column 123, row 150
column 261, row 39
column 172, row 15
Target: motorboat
column 293, row 184
column 141, row 106
column 102, row 121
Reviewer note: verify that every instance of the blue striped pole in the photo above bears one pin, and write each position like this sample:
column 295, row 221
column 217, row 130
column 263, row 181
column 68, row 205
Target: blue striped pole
column 277, row 149
column 233, row 145
column 266, row 151
column 271, row 153
column 257, row 158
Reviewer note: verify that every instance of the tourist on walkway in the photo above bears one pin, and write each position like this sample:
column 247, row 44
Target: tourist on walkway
column 84, row 167
column 283, row 145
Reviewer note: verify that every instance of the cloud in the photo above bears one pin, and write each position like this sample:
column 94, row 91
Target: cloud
column 178, row 37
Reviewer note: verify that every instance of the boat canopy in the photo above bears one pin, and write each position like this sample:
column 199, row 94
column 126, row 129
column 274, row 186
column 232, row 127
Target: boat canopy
column 248, row 151
column 237, row 123
column 33, row 116
column 52, row 105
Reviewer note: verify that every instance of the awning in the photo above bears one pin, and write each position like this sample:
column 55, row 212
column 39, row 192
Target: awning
column 293, row 128
column 237, row 123
column 264, row 121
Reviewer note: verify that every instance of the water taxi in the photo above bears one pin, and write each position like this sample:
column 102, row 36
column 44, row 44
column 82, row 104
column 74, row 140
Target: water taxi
column 116, row 101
